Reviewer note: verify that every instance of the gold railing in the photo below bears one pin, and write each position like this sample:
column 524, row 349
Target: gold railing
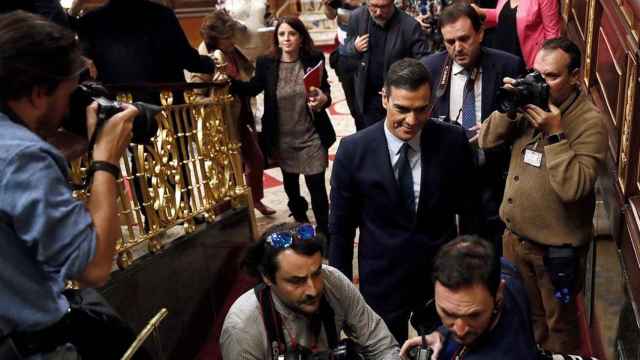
column 190, row 172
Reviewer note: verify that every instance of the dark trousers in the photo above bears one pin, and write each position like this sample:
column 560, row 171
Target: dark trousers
column 373, row 110
column 556, row 325
column 319, row 199
column 347, row 81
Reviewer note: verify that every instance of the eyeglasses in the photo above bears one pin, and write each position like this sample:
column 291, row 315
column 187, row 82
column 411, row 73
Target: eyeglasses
column 284, row 239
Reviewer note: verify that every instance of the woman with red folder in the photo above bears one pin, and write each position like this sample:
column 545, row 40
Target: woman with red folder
column 295, row 125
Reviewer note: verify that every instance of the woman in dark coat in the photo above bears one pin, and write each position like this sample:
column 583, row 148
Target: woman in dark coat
column 296, row 128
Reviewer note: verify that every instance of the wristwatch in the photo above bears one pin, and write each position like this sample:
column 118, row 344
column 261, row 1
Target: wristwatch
column 103, row 166
column 556, row 138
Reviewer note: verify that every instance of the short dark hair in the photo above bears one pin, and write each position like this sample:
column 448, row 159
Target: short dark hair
column 261, row 257
column 458, row 10
column 467, row 260
column 35, row 52
column 568, row 47
column 307, row 48
column 407, row 74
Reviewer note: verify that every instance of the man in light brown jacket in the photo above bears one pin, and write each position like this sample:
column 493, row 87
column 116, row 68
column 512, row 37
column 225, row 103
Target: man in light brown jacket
column 549, row 200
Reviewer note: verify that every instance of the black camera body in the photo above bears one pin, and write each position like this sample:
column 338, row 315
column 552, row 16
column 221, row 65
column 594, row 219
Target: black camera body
column 347, row 349
column 420, row 353
column 145, row 125
column 530, row 89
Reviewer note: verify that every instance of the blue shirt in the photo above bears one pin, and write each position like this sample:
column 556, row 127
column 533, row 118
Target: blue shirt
column 46, row 237
column 512, row 337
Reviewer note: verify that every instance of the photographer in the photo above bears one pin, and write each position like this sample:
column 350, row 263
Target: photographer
column 482, row 304
column 46, row 236
column 301, row 306
column 549, row 199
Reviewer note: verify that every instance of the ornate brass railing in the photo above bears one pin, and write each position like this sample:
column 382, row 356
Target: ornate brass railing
column 190, row 172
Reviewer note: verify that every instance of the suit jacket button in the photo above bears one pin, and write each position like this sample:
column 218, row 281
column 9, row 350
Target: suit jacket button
column 516, row 178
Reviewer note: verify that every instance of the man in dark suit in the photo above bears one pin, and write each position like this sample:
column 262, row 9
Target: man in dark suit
column 466, row 79
column 401, row 182
column 379, row 34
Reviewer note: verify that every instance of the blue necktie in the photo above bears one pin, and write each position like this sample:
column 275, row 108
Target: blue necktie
column 469, row 103
column 405, row 178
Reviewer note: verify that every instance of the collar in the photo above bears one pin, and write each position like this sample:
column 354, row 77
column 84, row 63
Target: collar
column 569, row 102
column 457, row 69
column 394, row 143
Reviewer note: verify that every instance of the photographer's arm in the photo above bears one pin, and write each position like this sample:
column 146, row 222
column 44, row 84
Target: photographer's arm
column 111, row 142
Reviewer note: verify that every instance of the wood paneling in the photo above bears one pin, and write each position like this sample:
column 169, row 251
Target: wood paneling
column 579, row 11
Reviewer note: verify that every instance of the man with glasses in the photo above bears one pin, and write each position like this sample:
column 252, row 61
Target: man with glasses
column 378, row 35
column 300, row 306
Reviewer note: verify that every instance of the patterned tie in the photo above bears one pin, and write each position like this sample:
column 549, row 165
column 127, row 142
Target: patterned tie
column 469, row 103
column 405, row 179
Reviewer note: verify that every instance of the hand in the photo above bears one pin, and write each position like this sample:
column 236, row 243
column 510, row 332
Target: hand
column 547, row 121
column 114, row 136
column 508, row 83
column 362, row 43
column 434, row 341
column 422, row 20
column 480, row 12
column 475, row 129
column 93, row 70
column 316, row 99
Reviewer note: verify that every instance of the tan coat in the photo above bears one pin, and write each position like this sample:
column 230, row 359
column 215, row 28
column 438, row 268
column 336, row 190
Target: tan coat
column 552, row 204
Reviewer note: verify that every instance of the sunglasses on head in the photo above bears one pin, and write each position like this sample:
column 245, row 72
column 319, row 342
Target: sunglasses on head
column 284, row 239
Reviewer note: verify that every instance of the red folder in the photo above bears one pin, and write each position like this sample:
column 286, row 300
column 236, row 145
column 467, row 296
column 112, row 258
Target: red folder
column 313, row 77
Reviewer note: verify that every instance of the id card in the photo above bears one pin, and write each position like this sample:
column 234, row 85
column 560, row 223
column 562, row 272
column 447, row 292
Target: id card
column 533, row 157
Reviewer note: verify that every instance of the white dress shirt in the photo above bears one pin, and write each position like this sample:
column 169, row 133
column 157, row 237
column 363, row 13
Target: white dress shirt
column 394, row 144
column 456, row 93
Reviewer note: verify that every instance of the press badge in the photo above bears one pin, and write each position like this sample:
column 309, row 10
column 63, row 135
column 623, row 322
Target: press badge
column 532, row 157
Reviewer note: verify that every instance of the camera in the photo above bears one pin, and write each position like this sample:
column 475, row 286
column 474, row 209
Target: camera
column 530, row 89
column 346, row 349
column 145, row 125
column 421, row 352
column 432, row 9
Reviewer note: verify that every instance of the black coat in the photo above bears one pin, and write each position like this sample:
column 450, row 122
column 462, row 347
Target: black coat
column 405, row 39
column 395, row 249
column 495, row 65
column 266, row 79
column 138, row 41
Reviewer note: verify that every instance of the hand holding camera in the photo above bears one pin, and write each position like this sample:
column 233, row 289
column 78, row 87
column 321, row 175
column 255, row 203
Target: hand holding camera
column 426, row 347
column 115, row 135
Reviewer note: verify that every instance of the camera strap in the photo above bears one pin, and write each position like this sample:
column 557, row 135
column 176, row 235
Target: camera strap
column 443, row 82
column 274, row 326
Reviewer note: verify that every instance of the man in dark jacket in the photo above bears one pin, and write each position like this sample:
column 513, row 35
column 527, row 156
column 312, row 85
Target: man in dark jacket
column 466, row 62
column 379, row 34
column 138, row 41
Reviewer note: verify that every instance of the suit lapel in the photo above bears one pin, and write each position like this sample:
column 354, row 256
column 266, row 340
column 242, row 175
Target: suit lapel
column 488, row 83
column 425, row 169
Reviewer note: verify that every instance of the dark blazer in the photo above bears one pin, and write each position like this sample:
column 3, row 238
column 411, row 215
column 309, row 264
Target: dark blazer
column 395, row 248
column 405, row 38
column 495, row 66
column 266, row 79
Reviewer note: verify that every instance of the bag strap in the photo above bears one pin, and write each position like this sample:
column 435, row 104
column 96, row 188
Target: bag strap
column 328, row 321
column 271, row 319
